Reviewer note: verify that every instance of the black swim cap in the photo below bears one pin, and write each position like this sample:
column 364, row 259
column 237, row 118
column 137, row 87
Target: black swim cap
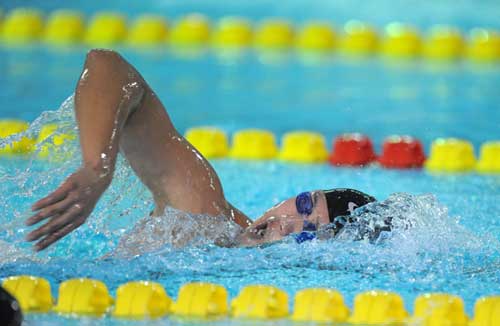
column 10, row 312
column 341, row 202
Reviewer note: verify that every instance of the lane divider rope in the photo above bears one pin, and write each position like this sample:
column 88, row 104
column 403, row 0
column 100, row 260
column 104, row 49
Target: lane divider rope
column 199, row 300
column 447, row 155
column 233, row 34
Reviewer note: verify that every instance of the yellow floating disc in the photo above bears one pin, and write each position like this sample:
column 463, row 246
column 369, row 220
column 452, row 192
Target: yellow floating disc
column 52, row 149
column 451, row 155
column 400, row 41
column 486, row 311
column 202, row 300
column 483, row 45
column 436, row 309
column 83, row 296
column 253, row 144
column 148, row 30
column 9, row 128
column 64, row 26
column 316, row 36
column 260, row 302
column 211, row 142
column 303, row 147
column 443, row 43
column 232, row 32
column 274, row 34
column 358, row 38
column 489, row 158
column 193, row 29
column 106, row 28
column 378, row 307
column 320, row 306
column 22, row 25
column 139, row 300
column 32, row 293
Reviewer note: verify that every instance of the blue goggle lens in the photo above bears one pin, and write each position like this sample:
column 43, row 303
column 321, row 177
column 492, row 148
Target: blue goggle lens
column 304, row 236
column 304, row 203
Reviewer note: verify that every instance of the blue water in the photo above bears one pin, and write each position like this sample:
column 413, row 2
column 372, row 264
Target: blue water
column 455, row 249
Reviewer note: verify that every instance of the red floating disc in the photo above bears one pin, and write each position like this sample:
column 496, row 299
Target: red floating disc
column 353, row 150
column 402, row 152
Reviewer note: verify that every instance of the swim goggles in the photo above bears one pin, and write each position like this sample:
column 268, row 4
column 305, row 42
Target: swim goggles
column 304, row 204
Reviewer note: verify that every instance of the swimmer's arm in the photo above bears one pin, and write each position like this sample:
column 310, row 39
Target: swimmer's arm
column 108, row 91
column 106, row 94
column 115, row 108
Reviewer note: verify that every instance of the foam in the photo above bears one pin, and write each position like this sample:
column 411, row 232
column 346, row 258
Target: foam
column 177, row 229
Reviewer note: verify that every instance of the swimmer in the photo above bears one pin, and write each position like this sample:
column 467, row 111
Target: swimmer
column 116, row 111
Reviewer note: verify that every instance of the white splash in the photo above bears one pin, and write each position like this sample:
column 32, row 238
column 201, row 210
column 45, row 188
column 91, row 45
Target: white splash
column 176, row 229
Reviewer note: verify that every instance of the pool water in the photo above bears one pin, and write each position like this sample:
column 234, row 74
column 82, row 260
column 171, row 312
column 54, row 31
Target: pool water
column 453, row 248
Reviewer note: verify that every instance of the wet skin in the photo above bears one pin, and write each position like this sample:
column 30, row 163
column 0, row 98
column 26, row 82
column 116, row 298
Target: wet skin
column 284, row 219
column 117, row 111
